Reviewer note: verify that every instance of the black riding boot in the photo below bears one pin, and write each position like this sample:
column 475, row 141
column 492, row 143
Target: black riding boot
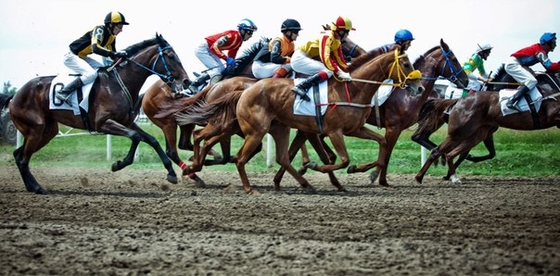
column 193, row 88
column 512, row 102
column 301, row 88
column 64, row 94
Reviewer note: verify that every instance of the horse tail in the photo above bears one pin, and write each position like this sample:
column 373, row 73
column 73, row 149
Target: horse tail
column 202, row 111
column 181, row 104
column 431, row 115
column 5, row 100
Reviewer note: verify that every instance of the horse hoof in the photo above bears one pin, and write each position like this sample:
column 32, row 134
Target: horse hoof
column 418, row 179
column 373, row 176
column 310, row 165
column 199, row 183
column 116, row 166
column 41, row 191
column 351, row 169
column 254, row 192
column 172, row 179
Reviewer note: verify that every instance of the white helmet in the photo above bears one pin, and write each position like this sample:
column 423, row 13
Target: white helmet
column 483, row 47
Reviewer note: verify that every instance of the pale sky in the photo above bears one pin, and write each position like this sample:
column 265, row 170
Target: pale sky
column 35, row 34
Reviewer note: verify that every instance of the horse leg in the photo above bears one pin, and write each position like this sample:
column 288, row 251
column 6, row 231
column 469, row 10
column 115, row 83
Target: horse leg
column 365, row 133
column 434, row 155
column 185, row 132
column 136, row 134
column 489, row 143
column 281, row 135
column 297, row 144
column 391, row 136
column 326, row 155
column 35, row 138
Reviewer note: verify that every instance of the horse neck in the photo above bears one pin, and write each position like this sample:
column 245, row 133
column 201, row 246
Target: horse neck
column 377, row 70
column 133, row 74
column 429, row 76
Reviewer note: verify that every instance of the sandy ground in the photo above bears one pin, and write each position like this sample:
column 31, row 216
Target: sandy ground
column 133, row 222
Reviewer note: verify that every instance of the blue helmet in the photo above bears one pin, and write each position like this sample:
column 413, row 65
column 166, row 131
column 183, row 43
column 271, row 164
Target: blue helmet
column 246, row 25
column 547, row 37
column 403, row 35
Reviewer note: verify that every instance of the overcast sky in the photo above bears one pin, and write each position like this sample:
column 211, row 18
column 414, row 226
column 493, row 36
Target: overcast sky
column 35, row 34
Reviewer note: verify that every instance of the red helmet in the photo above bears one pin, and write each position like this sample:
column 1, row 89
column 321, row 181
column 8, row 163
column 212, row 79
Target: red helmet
column 342, row 24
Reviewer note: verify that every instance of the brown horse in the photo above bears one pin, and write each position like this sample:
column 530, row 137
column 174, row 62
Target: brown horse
column 159, row 97
column 477, row 116
column 435, row 113
column 401, row 109
column 113, row 106
column 271, row 100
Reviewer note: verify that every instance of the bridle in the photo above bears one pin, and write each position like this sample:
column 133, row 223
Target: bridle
column 448, row 63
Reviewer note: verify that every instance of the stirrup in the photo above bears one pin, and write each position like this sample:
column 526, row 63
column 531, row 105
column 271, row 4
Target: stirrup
column 64, row 99
column 298, row 91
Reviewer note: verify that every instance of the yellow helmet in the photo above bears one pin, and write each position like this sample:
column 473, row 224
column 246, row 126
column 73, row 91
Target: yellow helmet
column 115, row 18
column 342, row 24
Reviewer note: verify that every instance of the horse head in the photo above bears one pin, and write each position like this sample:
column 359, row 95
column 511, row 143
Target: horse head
column 157, row 57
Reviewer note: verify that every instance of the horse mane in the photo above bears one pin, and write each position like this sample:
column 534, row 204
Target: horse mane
column 362, row 59
column 135, row 48
column 422, row 58
column 249, row 54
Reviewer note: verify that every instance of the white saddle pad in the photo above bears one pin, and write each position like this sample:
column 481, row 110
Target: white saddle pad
column 59, row 82
column 505, row 94
column 306, row 108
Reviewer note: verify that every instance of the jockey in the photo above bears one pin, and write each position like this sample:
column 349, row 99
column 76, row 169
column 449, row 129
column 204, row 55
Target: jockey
column 520, row 61
column 476, row 62
column 322, row 57
column 403, row 38
column 101, row 40
column 274, row 60
column 211, row 54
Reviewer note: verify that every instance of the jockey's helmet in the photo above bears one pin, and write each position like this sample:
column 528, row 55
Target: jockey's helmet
column 547, row 37
column 403, row 35
column 483, row 47
column 247, row 25
column 290, row 25
column 342, row 24
column 115, row 18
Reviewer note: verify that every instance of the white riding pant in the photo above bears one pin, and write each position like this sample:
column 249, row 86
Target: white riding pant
column 209, row 59
column 520, row 73
column 87, row 67
column 303, row 64
column 263, row 70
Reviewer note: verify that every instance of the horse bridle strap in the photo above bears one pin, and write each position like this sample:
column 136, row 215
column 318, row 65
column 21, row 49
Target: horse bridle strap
column 168, row 77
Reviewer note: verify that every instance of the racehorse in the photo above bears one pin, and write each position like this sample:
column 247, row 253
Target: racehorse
column 400, row 111
column 113, row 106
column 271, row 100
column 159, row 96
column 159, row 104
column 435, row 113
column 477, row 116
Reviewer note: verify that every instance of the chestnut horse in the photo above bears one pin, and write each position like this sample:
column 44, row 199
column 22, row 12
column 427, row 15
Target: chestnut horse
column 401, row 109
column 479, row 115
column 267, row 106
column 159, row 97
column 113, row 106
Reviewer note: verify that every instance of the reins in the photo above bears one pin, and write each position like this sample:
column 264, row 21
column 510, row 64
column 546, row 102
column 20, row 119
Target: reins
column 168, row 77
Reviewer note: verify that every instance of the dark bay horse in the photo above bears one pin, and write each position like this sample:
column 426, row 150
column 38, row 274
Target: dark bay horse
column 479, row 115
column 401, row 109
column 267, row 107
column 435, row 114
column 113, row 106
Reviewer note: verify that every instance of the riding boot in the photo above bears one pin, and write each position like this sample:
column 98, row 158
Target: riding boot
column 64, row 94
column 280, row 73
column 193, row 88
column 301, row 88
column 512, row 102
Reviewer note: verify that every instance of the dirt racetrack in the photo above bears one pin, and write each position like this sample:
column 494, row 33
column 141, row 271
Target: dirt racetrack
column 133, row 222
